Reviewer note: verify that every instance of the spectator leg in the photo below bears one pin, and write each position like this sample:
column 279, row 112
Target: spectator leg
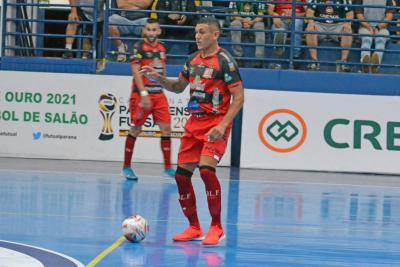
column 123, row 26
column 237, row 38
column 87, row 45
column 346, row 41
column 366, row 43
column 280, row 38
column 260, row 39
column 114, row 32
column 71, row 30
column 312, row 40
column 380, row 43
column 297, row 37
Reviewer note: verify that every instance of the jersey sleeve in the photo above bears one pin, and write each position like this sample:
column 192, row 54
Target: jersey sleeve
column 137, row 54
column 230, row 71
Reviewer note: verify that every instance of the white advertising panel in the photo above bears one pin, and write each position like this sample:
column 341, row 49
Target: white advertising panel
column 316, row 131
column 74, row 116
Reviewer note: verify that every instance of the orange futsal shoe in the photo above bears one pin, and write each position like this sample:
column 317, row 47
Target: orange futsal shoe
column 214, row 235
column 191, row 233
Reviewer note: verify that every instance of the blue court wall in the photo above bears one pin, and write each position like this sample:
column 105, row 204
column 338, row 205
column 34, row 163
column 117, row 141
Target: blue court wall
column 254, row 79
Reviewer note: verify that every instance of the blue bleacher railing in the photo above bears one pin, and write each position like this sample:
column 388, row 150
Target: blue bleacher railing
column 22, row 35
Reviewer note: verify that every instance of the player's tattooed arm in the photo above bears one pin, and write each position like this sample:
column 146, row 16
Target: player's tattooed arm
column 173, row 85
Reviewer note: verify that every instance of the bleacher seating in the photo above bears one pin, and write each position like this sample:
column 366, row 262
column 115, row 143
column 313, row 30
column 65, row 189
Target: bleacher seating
column 177, row 50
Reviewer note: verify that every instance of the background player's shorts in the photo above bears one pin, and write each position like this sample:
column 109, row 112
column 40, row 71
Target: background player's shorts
column 159, row 109
column 194, row 142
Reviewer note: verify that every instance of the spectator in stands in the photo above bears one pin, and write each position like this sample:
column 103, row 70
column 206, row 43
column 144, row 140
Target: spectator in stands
column 129, row 22
column 280, row 25
column 178, row 19
column 219, row 9
column 374, row 30
column 329, row 18
column 85, row 14
column 249, row 15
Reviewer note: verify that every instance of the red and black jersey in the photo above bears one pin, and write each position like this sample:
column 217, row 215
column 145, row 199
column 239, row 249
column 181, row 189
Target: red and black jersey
column 210, row 79
column 151, row 55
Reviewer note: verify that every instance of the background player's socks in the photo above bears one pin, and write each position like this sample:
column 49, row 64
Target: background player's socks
column 129, row 145
column 213, row 190
column 187, row 197
column 166, row 150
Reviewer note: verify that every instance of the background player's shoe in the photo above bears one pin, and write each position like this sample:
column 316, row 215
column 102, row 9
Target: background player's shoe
column 129, row 174
column 169, row 172
column 191, row 233
column 214, row 235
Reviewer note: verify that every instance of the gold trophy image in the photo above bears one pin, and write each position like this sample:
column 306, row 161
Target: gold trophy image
column 107, row 105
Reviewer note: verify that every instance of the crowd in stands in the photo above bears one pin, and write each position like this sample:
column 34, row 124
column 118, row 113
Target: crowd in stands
column 362, row 24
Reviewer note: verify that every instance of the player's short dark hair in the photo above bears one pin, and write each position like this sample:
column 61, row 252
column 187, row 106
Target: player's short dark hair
column 151, row 21
column 210, row 21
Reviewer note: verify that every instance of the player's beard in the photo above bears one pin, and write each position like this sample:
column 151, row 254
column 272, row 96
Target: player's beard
column 150, row 40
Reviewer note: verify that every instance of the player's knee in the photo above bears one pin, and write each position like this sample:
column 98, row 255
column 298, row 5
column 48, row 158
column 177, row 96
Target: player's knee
column 182, row 175
column 135, row 131
column 207, row 172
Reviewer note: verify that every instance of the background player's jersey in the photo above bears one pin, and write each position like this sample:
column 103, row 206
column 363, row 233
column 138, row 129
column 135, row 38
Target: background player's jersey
column 210, row 79
column 151, row 55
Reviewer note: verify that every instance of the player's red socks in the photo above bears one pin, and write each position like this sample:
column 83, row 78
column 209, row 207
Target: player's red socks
column 213, row 190
column 129, row 145
column 166, row 150
column 187, row 197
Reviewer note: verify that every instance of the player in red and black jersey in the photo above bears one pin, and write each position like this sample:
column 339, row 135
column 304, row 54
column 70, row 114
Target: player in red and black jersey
column 214, row 81
column 147, row 97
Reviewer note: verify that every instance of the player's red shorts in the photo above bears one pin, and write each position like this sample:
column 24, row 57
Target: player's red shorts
column 159, row 109
column 194, row 142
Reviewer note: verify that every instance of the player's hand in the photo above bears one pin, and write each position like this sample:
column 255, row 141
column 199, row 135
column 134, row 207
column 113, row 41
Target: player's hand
column 150, row 73
column 145, row 102
column 215, row 133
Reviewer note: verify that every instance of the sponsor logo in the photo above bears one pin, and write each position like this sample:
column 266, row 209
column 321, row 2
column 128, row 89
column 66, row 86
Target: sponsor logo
column 282, row 130
column 227, row 78
column 364, row 134
column 36, row 135
column 208, row 73
column 8, row 134
column 39, row 135
column 107, row 106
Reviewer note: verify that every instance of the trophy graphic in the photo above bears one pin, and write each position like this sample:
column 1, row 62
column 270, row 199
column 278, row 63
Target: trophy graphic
column 107, row 106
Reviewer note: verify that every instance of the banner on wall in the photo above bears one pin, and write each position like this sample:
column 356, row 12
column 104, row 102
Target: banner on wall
column 318, row 131
column 74, row 116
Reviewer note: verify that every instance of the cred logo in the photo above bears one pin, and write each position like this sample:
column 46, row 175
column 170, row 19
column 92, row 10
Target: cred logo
column 277, row 130
column 282, row 130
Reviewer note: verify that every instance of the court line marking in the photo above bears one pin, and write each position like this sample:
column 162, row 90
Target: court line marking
column 75, row 261
column 165, row 180
column 306, row 227
column 105, row 252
